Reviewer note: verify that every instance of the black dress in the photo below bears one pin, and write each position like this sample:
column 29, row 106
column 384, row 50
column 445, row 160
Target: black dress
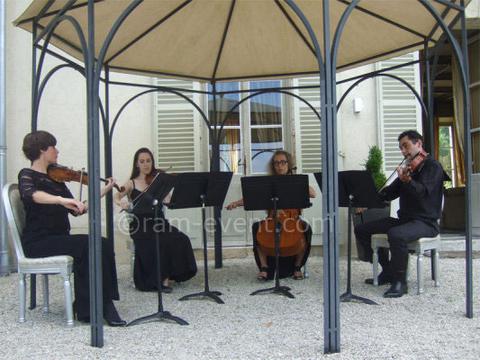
column 177, row 259
column 47, row 233
column 286, row 263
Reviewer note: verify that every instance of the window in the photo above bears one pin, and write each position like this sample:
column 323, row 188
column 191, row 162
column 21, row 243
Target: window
column 253, row 130
column 446, row 152
column 231, row 140
column 265, row 126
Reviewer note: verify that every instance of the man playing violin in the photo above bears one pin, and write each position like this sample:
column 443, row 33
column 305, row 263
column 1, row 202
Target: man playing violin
column 47, row 228
column 420, row 188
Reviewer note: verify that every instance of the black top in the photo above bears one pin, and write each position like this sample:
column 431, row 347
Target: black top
column 42, row 219
column 421, row 198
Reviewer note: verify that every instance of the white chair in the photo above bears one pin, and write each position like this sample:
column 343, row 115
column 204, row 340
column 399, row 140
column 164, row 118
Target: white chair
column 419, row 247
column 131, row 248
column 61, row 265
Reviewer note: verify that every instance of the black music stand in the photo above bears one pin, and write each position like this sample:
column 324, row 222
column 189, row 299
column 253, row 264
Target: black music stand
column 274, row 193
column 355, row 189
column 201, row 189
column 150, row 199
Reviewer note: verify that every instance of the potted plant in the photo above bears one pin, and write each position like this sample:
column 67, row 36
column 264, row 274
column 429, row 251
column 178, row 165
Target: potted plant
column 374, row 166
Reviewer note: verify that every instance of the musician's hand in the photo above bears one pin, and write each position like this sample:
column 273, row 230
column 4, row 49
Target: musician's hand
column 124, row 204
column 404, row 174
column 234, row 204
column 108, row 187
column 360, row 210
column 77, row 207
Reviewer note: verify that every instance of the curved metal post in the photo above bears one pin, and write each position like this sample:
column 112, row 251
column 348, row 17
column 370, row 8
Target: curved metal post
column 162, row 89
column 403, row 81
column 257, row 93
column 94, row 230
column 461, row 56
column 4, row 258
column 331, row 313
column 428, row 121
column 215, row 166
column 107, row 148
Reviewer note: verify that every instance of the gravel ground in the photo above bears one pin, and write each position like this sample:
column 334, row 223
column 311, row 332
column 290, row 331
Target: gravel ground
column 430, row 326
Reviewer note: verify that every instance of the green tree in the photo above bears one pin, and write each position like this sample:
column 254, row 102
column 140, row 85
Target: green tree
column 374, row 166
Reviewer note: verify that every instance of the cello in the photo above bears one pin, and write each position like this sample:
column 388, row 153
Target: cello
column 291, row 233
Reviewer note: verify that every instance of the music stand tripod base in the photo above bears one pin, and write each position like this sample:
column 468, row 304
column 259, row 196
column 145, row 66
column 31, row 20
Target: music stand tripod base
column 214, row 295
column 280, row 290
column 349, row 297
column 161, row 315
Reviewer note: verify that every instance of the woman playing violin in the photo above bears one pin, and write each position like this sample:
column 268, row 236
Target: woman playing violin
column 177, row 258
column 47, row 229
column 281, row 163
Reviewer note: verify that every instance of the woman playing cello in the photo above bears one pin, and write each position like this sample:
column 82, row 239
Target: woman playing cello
column 294, row 255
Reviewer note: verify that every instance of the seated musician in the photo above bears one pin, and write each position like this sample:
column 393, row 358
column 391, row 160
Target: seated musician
column 177, row 258
column 420, row 190
column 293, row 258
column 47, row 229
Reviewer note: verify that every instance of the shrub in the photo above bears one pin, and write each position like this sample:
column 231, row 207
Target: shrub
column 374, row 166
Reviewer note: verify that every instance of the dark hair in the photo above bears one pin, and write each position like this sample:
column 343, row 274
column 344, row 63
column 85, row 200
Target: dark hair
column 35, row 142
column 135, row 169
column 412, row 135
column 289, row 158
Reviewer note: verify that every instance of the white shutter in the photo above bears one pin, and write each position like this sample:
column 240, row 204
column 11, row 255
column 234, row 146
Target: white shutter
column 307, row 127
column 398, row 107
column 176, row 129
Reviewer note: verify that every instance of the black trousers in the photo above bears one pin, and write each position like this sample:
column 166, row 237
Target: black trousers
column 77, row 247
column 399, row 232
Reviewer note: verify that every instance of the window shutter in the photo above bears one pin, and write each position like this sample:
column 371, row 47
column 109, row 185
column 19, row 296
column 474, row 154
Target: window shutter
column 177, row 123
column 399, row 110
column 308, row 129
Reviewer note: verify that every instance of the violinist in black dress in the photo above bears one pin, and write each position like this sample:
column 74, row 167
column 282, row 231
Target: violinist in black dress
column 47, row 228
column 420, row 190
column 177, row 258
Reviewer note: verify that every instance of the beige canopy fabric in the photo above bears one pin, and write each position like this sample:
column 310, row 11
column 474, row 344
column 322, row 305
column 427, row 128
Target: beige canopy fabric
column 260, row 38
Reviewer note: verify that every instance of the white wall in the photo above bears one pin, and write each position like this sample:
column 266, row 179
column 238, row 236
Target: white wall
column 358, row 131
column 65, row 114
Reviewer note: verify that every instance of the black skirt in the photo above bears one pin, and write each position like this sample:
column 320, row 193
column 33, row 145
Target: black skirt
column 177, row 260
column 286, row 263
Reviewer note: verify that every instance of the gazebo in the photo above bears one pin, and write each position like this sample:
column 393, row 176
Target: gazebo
column 214, row 41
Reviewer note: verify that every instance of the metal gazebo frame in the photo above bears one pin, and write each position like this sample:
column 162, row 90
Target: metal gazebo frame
column 327, row 67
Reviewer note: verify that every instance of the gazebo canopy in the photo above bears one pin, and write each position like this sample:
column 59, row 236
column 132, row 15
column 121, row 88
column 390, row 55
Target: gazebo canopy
column 218, row 40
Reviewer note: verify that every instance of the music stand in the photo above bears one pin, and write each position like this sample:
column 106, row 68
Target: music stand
column 201, row 189
column 274, row 193
column 355, row 189
column 152, row 197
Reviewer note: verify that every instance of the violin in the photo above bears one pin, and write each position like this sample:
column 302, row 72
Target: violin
column 291, row 233
column 61, row 173
column 410, row 164
column 414, row 163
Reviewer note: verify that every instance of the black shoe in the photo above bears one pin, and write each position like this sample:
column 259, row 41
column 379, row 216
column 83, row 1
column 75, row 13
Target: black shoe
column 166, row 289
column 398, row 289
column 383, row 279
column 111, row 316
